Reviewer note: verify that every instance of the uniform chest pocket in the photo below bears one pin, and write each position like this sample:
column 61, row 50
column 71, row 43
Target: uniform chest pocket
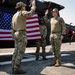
column 57, row 36
column 16, row 34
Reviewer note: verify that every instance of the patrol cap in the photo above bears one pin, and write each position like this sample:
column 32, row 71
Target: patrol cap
column 55, row 10
column 19, row 4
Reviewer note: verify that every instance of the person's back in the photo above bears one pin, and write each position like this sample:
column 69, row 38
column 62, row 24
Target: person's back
column 19, row 34
column 19, row 21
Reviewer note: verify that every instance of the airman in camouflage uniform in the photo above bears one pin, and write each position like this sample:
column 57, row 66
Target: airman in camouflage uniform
column 19, row 34
column 42, row 42
column 58, row 29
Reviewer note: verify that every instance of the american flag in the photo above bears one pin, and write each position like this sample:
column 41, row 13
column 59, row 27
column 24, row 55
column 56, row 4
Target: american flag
column 32, row 27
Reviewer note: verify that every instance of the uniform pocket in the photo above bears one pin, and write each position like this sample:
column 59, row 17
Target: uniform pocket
column 57, row 36
column 16, row 34
column 20, row 36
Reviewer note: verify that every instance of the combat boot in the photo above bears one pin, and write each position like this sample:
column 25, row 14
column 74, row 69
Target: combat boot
column 58, row 63
column 37, row 56
column 44, row 58
column 53, row 63
column 15, row 71
column 37, row 59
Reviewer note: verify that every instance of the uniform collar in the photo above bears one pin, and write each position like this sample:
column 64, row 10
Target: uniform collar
column 56, row 17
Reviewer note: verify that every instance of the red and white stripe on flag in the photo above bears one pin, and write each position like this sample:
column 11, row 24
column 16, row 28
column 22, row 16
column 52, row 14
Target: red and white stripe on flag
column 32, row 29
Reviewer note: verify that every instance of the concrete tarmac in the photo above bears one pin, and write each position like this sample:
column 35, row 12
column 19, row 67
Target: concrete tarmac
column 41, row 67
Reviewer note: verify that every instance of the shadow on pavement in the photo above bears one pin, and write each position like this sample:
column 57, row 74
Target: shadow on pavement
column 32, row 68
column 37, row 67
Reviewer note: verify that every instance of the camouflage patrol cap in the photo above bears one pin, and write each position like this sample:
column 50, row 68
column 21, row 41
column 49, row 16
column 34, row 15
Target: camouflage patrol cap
column 19, row 4
column 55, row 10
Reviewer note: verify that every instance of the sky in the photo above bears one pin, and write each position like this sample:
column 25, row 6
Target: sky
column 68, row 13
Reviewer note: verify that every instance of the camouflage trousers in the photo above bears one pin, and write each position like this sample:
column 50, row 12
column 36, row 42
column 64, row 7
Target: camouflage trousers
column 56, row 46
column 20, row 46
column 38, row 44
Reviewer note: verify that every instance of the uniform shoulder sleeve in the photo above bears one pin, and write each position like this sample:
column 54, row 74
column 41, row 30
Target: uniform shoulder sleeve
column 51, row 20
column 63, row 25
column 61, row 19
column 12, row 22
column 45, row 31
column 45, row 18
column 28, row 13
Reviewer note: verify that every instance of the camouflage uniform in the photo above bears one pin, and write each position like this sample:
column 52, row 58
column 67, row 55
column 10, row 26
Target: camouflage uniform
column 58, row 28
column 41, row 42
column 19, row 34
column 20, row 45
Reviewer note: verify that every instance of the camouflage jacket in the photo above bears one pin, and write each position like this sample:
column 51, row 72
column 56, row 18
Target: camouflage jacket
column 43, row 31
column 57, row 25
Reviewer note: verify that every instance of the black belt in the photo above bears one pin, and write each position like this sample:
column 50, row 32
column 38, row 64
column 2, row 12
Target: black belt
column 19, row 30
column 55, row 32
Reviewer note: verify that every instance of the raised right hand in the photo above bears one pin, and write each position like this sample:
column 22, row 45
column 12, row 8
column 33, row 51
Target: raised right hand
column 33, row 3
column 46, row 12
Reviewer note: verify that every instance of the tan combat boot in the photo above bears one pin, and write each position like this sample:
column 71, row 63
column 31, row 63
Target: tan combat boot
column 57, row 63
column 54, row 62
